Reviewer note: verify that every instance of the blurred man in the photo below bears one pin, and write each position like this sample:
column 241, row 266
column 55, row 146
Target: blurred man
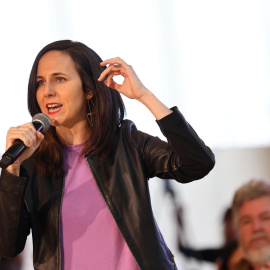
column 251, row 207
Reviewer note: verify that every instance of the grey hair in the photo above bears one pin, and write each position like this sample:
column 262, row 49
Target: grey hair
column 251, row 190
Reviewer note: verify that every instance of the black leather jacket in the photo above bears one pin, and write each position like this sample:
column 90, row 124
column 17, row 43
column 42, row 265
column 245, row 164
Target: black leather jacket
column 34, row 202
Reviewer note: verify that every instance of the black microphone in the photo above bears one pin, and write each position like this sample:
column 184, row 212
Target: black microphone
column 41, row 122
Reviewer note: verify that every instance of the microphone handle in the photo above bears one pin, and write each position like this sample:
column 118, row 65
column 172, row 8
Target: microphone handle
column 18, row 147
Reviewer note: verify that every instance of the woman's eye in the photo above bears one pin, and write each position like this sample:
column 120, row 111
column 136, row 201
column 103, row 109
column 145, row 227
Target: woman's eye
column 39, row 83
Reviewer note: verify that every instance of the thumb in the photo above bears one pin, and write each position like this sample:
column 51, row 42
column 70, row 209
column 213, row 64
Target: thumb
column 40, row 137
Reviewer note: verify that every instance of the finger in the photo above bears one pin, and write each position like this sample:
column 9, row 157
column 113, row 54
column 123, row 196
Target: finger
column 25, row 133
column 115, row 60
column 29, row 126
column 13, row 136
column 110, row 69
column 29, row 133
column 110, row 80
column 28, row 140
column 40, row 137
column 113, row 85
column 109, row 83
column 112, row 74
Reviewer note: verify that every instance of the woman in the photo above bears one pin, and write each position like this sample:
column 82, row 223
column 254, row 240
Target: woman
column 82, row 186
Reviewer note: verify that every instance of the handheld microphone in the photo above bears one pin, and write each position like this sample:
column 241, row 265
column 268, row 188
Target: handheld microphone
column 41, row 122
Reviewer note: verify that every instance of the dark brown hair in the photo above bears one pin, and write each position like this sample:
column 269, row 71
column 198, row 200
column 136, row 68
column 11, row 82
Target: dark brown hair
column 107, row 104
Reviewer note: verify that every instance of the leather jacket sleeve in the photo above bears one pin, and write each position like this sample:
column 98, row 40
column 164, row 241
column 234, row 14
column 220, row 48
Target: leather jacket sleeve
column 15, row 225
column 184, row 158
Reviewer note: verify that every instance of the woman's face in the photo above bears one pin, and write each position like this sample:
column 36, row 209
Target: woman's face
column 59, row 90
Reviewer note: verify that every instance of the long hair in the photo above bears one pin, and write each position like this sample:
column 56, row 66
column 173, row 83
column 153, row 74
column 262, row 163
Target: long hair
column 107, row 104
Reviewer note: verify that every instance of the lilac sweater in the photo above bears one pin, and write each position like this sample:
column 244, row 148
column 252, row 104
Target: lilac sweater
column 90, row 238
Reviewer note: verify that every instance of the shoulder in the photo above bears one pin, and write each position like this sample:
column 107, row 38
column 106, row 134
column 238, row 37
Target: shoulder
column 130, row 133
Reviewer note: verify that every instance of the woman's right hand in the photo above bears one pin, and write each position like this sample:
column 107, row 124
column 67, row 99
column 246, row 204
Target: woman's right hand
column 31, row 139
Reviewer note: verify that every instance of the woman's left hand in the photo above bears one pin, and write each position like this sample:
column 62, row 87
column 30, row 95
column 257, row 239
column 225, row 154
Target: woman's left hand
column 132, row 87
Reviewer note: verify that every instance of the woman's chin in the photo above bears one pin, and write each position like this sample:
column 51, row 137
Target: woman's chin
column 54, row 122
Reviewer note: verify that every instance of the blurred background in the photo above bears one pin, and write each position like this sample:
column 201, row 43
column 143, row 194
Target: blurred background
column 210, row 58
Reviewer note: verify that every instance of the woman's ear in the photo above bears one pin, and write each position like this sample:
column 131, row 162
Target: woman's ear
column 89, row 94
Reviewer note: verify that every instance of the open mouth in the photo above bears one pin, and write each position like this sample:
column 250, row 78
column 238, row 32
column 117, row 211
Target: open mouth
column 54, row 108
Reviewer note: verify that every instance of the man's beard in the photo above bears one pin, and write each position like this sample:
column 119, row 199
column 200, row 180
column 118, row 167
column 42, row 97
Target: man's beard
column 261, row 255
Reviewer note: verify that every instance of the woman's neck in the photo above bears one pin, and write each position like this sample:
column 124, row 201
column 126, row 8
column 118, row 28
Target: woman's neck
column 76, row 135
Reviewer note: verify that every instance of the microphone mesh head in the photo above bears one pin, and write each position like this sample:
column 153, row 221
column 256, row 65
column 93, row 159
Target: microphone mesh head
column 43, row 119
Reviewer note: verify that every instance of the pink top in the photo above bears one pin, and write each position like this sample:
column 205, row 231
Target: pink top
column 90, row 238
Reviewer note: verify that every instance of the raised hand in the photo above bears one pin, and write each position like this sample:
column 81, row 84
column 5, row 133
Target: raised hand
column 132, row 87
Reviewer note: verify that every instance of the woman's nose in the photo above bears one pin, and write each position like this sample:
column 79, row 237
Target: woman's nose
column 49, row 90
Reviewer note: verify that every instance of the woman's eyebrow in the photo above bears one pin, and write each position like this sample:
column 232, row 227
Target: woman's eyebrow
column 53, row 74
column 58, row 73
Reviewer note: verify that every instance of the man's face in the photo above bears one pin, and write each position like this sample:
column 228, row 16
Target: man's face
column 254, row 229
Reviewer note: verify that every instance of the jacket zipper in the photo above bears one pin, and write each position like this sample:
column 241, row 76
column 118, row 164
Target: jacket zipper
column 108, row 205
